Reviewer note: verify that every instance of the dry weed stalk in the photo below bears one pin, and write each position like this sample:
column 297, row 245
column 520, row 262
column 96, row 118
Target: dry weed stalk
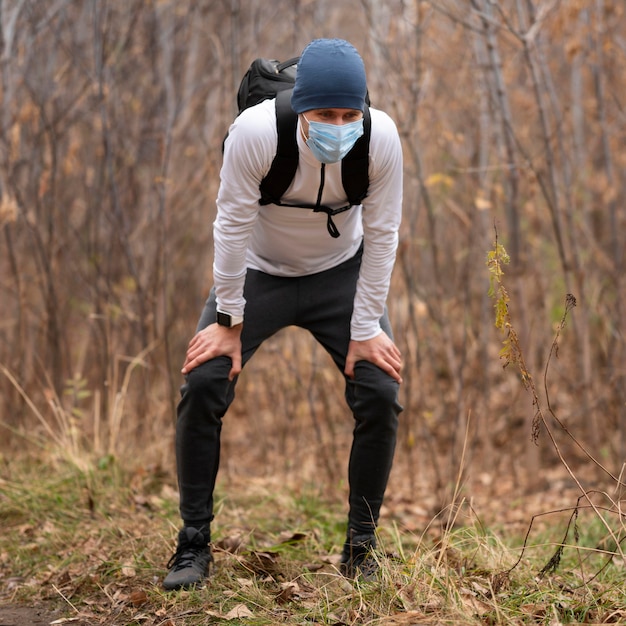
column 512, row 353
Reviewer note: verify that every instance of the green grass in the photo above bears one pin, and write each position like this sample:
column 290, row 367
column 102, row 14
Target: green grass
column 95, row 543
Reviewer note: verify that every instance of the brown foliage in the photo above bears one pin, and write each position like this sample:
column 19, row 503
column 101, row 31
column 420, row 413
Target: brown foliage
column 110, row 130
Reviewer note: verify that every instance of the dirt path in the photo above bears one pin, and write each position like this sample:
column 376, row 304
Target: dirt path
column 21, row 616
column 13, row 615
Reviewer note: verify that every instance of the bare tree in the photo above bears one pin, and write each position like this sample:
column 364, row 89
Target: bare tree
column 112, row 121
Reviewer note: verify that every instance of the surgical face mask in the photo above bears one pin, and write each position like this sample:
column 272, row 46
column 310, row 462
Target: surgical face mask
column 331, row 142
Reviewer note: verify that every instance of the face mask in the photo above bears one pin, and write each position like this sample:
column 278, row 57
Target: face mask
column 330, row 142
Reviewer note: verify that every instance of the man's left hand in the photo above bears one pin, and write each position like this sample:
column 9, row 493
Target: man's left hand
column 380, row 350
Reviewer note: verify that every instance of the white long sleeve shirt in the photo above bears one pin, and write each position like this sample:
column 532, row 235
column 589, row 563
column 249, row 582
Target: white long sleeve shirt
column 288, row 241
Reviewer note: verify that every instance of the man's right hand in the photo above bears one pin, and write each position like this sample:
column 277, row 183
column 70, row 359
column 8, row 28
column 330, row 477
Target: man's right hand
column 214, row 341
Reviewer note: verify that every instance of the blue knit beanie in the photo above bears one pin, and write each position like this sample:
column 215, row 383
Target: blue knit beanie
column 330, row 74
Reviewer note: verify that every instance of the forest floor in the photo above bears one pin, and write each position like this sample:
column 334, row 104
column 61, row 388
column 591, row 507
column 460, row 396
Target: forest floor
column 124, row 528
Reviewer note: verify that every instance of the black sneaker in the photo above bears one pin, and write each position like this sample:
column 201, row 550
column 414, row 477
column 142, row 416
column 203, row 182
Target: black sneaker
column 189, row 565
column 357, row 558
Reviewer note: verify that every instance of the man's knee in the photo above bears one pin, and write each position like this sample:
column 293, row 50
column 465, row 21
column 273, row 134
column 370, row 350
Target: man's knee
column 373, row 392
column 208, row 385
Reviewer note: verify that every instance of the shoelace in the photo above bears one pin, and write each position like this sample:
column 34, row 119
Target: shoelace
column 184, row 557
column 368, row 566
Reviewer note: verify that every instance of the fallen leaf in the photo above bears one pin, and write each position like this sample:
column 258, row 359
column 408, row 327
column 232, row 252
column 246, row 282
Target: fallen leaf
column 288, row 592
column 128, row 570
column 138, row 598
column 313, row 567
column 232, row 543
column 239, row 612
column 290, row 538
column 261, row 562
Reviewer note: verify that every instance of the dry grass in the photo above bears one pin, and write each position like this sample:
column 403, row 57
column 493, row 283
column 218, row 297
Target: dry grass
column 94, row 544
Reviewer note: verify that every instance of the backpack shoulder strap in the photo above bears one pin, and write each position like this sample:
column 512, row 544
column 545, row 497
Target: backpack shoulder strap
column 355, row 165
column 285, row 162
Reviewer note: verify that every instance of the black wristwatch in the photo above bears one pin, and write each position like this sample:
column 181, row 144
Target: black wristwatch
column 228, row 320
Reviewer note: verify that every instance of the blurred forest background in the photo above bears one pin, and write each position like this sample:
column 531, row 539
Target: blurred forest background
column 512, row 115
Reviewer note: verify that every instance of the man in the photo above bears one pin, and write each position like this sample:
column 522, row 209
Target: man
column 277, row 266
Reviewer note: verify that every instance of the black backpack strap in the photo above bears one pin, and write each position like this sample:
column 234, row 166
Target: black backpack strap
column 355, row 165
column 285, row 163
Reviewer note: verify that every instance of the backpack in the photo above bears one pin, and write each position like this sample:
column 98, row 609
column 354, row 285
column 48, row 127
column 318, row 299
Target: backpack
column 266, row 79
